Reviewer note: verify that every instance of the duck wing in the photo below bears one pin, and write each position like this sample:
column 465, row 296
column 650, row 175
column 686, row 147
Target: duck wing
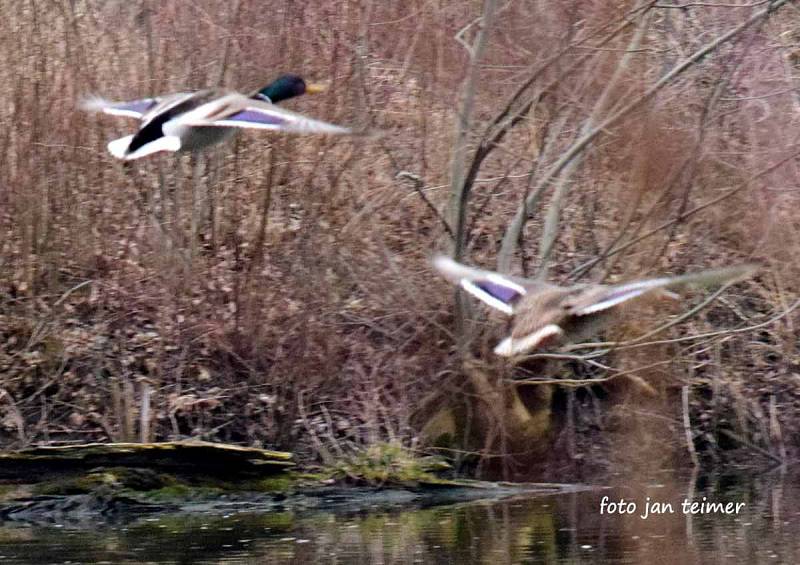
column 142, row 109
column 239, row 111
column 498, row 291
column 600, row 298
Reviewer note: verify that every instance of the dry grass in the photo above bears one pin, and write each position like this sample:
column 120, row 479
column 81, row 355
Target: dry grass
column 276, row 291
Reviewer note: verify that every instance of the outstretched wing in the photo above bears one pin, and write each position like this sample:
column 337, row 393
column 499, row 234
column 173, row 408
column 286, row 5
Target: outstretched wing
column 249, row 113
column 142, row 109
column 604, row 297
column 496, row 290
column 132, row 108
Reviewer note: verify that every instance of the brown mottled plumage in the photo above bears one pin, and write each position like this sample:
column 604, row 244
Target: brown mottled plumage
column 544, row 314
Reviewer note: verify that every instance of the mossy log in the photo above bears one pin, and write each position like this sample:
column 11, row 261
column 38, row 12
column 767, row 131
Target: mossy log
column 184, row 458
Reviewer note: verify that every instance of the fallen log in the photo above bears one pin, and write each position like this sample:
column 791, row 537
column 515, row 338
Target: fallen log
column 184, row 458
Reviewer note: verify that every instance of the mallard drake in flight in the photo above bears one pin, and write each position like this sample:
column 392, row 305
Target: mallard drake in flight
column 189, row 121
column 545, row 314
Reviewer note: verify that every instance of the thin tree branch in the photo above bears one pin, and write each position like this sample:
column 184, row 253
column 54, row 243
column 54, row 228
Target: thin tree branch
column 459, row 189
column 418, row 184
column 578, row 147
column 724, row 196
column 553, row 218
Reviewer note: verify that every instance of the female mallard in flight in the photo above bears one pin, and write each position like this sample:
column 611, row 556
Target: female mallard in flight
column 189, row 121
column 545, row 314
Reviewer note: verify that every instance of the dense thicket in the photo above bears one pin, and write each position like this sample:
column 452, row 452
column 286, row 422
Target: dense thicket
column 277, row 290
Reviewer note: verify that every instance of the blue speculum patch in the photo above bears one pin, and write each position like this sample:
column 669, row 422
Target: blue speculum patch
column 498, row 291
column 257, row 117
column 140, row 106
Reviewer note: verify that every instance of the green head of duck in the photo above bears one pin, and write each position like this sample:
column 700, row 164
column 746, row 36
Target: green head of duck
column 288, row 86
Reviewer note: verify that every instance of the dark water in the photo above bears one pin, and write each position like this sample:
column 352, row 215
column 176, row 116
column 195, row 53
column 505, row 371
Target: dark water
column 566, row 528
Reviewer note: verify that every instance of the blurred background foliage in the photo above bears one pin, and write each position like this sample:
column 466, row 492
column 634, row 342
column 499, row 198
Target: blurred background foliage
column 277, row 290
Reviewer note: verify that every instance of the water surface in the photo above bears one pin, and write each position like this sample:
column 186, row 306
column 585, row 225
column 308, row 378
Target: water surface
column 564, row 528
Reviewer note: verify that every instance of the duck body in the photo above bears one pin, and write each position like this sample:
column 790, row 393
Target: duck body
column 192, row 121
column 164, row 127
column 545, row 314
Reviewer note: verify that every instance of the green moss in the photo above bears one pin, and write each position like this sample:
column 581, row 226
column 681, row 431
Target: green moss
column 11, row 492
column 316, row 476
column 274, row 484
column 181, row 493
column 5, row 490
column 279, row 521
column 389, row 463
column 74, row 485
column 120, row 478
column 170, row 492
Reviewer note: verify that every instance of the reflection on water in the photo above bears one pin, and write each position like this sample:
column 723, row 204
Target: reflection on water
column 565, row 528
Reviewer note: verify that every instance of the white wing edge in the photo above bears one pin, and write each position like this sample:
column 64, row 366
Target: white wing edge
column 485, row 297
column 510, row 347
column 628, row 292
column 456, row 272
column 99, row 104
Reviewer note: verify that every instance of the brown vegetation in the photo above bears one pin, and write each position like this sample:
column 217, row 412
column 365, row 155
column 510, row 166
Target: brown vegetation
column 276, row 291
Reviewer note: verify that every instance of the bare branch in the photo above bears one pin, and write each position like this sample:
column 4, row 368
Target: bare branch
column 724, row 196
column 687, row 426
column 459, row 191
column 553, row 217
column 417, row 184
column 578, row 147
